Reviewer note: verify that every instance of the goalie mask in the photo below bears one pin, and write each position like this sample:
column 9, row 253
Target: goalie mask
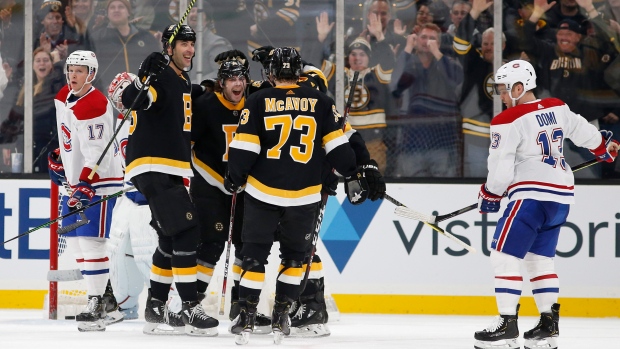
column 116, row 88
column 285, row 63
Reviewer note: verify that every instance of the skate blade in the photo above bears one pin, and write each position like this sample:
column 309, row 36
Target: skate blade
column 162, row 329
column 242, row 338
column 98, row 325
column 310, row 331
column 113, row 318
column 545, row 343
column 200, row 332
column 262, row 329
column 500, row 344
column 277, row 337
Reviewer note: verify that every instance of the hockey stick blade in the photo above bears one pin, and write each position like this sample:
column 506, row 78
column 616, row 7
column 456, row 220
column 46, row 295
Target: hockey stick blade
column 64, row 275
column 451, row 237
column 71, row 227
column 406, row 212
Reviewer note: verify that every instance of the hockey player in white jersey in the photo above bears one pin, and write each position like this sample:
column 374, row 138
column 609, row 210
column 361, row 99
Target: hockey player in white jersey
column 526, row 165
column 86, row 124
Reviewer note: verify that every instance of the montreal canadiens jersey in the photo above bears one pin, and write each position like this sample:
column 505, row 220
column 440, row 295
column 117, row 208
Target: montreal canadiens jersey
column 160, row 132
column 85, row 126
column 283, row 137
column 213, row 128
column 526, row 157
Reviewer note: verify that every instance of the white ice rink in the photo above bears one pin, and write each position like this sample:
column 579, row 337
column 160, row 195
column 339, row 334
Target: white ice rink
column 27, row 329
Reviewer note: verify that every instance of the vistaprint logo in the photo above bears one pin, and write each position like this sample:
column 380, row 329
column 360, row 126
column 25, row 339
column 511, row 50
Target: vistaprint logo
column 344, row 226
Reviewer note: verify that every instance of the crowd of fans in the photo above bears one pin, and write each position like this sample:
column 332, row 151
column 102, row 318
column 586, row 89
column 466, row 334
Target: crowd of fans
column 423, row 101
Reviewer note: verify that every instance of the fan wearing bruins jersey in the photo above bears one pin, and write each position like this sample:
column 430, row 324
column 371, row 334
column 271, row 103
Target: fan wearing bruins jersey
column 278, row 153
column 215, row 119
column 158, row 157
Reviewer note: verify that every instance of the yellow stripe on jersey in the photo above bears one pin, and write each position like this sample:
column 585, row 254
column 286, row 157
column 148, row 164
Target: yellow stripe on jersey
column 254, row 276
column 184, row 271
column 384, row 76
column 329, row 69
column 246, row 141
column 461, row 46
column 333, row 140
column 290, row 271
column 283, row 193
column 204, row 270
column 161, row 272
column 152, row 94
column 290, row 276
column 156, row 164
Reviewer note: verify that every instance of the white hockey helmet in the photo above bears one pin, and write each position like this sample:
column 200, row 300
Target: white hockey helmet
column 86, row 58
column 513, row 72
column 116, row 88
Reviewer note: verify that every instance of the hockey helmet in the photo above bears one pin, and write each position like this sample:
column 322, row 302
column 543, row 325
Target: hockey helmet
column 116, row 88
column 232, row 68
column 285, row 63
column 185, row 33
column 513, row 72
column 85, row 58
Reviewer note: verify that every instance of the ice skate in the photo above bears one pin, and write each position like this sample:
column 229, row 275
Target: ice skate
column 129, row 313
column 160, row 321
column 545, row 334
column 92, row 317
column 197, row 322
column 262, row 323
column 502, row 333
column 309, row 319
column 114, row 315
column 243, row 324
column 280, row 319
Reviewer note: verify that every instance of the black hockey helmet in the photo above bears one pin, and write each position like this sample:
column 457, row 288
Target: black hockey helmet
column 185, row 33
column 285, row 63
column 232, row 68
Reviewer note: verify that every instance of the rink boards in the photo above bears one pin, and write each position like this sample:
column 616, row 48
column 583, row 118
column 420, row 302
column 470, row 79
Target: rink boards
column 377, row 262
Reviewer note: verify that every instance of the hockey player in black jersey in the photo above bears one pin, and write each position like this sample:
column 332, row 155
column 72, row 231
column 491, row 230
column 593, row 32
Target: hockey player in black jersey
column 284, row 135
column 158, row 157
column 215, row 119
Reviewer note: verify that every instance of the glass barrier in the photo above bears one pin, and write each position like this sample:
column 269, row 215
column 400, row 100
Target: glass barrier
column 424, row 98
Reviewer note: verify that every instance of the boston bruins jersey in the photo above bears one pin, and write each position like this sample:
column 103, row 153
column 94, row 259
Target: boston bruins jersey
column 278, row 147
column 214, row 125
column 160, row 130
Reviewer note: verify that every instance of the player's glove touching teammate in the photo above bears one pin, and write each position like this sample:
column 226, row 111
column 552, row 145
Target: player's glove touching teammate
column 55, row 167
column 232, row 55
column 152, row 66
column 607, row 151
column 487, row 201
column 356, row 187
column 261, row 54
column 376, row 184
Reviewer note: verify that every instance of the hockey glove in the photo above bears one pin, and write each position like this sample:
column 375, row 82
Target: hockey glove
column 82, row 195
column 261, row 54
column 232, row 55
column 230, row 186
column 601, row 152
column 487, row 201
column 152, row 66
column 330, row 184
column 376, row 184
column 55, row 167
column 356, row 187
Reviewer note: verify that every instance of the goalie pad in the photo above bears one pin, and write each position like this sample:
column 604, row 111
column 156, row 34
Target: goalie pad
column 176, row 217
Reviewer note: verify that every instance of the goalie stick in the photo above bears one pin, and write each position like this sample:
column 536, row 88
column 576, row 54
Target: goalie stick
column 400, row 205
column 144, row 89
column 324, row 196
column 64, row 275
column 409, row 213
column 60, row 218
column 227, row 262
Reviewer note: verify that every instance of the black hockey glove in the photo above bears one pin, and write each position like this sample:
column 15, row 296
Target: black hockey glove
column 232, row 55
column 260, row 54
column 330, row 184
column 356, row 187
column 208, row 85
column 152, row 66
column 376, row 184
column 230, row 186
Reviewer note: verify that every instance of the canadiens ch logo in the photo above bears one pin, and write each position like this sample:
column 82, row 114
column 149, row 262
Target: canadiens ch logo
column 66, row 137
column 123, row 147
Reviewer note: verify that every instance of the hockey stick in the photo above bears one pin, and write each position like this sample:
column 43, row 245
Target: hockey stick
column 227, row 263
column 409, row 213
column 64, row 275
column 432, row 225
column 78, row 223
column 119, row 193
column 324, row 196
column 145, row 87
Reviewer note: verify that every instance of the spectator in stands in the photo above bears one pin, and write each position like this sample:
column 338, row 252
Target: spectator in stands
column 426, row 15
column 274, row 24
column 392, row 32
column 121, row 46
column 80, row 16
column 459, row 10
column 10, row 32
column 56, row 36
column 429, row 146
column 212, row 44
column 565, row 9
column 405, row 11
column 49, row 79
